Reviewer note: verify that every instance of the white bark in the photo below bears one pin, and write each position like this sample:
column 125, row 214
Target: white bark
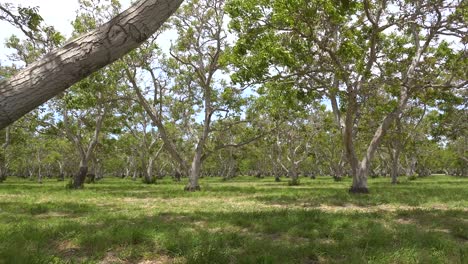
column 65, row 66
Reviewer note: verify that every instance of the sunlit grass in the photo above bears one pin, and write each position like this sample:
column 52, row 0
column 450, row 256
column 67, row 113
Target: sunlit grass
column 246, row 220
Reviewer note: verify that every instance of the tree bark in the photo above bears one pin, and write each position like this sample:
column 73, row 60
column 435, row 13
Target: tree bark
column 360, row 180
column 148, row 170
column 77, row 59
column 4, row 162
column 168, row 143
column 39, row 175
column 294, row 175
column 395, row 155
column 194, row 175
column 361, row 171
column 80, row 177
column 62, row 172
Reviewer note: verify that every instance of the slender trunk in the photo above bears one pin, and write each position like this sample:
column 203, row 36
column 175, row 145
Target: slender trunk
column 395, row 155
column 96, row 168
column 411, row 171
column 2, row 173
column 157, row 120
column 348, row 136
column 62, row 173
column 3, row 162
column 135, row 175
column 149, row 171
column 194, row 173
column 39, row 175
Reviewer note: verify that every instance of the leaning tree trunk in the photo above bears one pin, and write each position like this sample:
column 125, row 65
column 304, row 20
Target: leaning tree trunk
column 63, row 67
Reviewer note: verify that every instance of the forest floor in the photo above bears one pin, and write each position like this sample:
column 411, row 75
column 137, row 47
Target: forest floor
column 244, row 220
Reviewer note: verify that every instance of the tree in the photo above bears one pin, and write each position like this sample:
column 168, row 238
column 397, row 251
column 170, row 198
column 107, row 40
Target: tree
column 352, row 53
column 77, row 59
column 188, row 94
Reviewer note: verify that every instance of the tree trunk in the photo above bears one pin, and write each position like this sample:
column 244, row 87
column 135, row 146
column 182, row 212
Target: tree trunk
column 277, row 176
column 337, row 169
column 149, row 171
column 127, row 172
column 4, row 162
column 411, row 171
column 2, row 173
column 80, row 177
column 194, row 173
column 157, row 120
column 30, row 174
column 293, row 175
column 361, row 172
column 39, row 175
column 360, row 181
column 395, row 154
column 77, row 59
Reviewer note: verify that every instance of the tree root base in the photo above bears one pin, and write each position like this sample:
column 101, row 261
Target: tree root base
column 337, row 178
column 294, row 183
column 149, row 181
column 192, row 188
column 72, row 186
column 358, row 190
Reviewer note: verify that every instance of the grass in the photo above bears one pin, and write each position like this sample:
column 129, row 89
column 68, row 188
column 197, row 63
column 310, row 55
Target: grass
column 246, row 220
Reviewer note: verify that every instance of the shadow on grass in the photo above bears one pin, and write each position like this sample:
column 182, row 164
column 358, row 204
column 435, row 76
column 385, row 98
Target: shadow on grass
column 279, row 236
column 48, row 224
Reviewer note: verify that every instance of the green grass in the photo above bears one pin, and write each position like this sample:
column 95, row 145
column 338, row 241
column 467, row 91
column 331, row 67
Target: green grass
column 245, row 220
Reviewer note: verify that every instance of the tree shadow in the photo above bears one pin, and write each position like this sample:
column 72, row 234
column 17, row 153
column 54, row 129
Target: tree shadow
column 276, row 236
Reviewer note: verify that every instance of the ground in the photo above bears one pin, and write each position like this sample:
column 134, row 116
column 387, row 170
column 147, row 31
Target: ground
column 246, row 220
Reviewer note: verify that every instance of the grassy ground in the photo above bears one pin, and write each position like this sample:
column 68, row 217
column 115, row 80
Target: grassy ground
column 245, row 220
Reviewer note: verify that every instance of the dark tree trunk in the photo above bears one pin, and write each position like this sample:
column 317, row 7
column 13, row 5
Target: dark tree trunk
column 294, row 176
column 2, row 175
column 395, row 158
column 277, row 177
column 177, row 176
column 91, row 178
column 79, row 178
